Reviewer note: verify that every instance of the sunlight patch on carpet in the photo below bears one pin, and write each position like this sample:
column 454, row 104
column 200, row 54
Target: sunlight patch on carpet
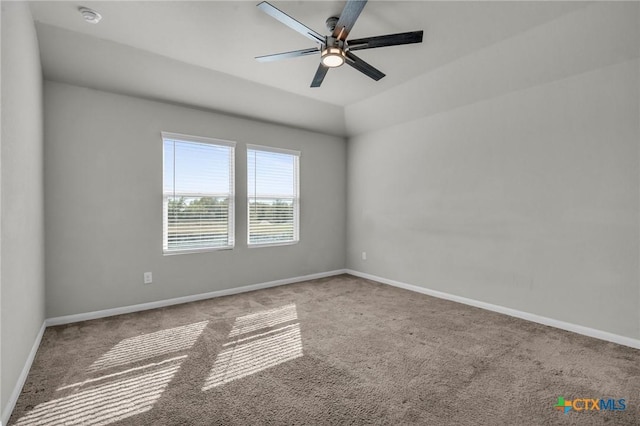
column 150, row 345
column 105, row 403
column 120, row 373
column 250, row 354
column 253, row 322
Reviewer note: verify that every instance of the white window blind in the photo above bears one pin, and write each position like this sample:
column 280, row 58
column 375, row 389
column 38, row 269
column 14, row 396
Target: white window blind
column 273, row 195
column 198, row 193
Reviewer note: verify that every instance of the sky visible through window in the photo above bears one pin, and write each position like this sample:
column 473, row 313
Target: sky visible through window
column 270, row 174
column 202, row 168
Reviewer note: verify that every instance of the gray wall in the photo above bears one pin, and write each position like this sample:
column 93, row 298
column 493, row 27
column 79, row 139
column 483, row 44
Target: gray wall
column 83, row 60
column 516, row 182
column 21, row 229
column 103, row 203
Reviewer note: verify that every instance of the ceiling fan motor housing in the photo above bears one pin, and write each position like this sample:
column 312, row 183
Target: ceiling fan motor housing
column 334, row 42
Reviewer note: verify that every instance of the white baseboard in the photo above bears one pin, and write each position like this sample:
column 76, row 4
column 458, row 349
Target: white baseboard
column 67, row 319
column 586, row 331
column 8, row 409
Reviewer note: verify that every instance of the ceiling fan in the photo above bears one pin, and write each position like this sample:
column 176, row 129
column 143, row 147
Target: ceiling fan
column 334, row 49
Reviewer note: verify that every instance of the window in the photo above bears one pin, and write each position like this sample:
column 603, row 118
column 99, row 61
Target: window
column 198, row 193
column 273, row 196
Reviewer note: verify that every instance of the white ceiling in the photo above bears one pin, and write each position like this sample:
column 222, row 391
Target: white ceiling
column 224, row 37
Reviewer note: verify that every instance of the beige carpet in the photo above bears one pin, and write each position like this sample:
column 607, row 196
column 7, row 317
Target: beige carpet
column 340, row 350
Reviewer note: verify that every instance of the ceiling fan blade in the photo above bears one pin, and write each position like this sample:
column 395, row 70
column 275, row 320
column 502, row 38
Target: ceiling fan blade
column 319, row 77
column 287, row 55
column 363, row 67
column 291, row 23
column 386, row 40
column 348, row 18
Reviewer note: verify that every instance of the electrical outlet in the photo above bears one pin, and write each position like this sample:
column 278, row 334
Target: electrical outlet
column 364, row 255
column 148, row 278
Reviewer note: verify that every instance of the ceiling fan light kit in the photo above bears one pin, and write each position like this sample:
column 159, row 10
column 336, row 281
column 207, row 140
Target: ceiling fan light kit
column 334, row 48
column 332, row 57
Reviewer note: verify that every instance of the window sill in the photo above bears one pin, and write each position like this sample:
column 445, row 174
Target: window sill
column 192, row 251
column 287, row 243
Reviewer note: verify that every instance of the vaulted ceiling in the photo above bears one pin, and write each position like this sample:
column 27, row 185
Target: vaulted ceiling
column 201, row 54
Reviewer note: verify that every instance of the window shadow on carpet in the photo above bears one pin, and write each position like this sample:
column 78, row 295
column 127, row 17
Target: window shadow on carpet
column 247, row 353
column 131, row 376
column 105, row 398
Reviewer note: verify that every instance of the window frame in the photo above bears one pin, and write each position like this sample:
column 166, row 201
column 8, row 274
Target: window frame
column 231, row 196
column 296, row 199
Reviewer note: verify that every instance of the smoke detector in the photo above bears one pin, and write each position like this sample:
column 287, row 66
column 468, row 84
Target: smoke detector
column 90, row 15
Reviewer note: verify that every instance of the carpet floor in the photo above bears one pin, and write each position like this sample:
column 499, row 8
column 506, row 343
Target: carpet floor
column 339, row 350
